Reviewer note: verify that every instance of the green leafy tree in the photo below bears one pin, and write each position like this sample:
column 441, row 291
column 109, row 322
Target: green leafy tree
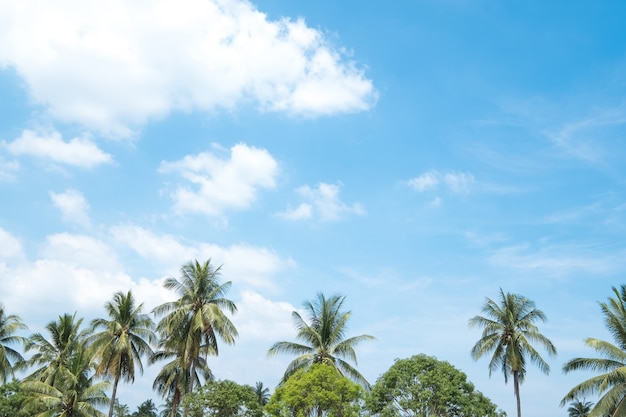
column 122, row 340
column 9, row 357
column 12, row 398
column 262, row 393
column 508, row 335
column 324, row 338
column 53, row 356
column 579, row 408
column 611, row 383
column 422, row 386
column 223, row 399
column 73, row 394
column 145, row 409
column 190, row 328
column 319, row 391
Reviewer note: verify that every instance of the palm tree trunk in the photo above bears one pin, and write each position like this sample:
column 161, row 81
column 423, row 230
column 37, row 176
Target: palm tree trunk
column 117, row 380
column 516, row 389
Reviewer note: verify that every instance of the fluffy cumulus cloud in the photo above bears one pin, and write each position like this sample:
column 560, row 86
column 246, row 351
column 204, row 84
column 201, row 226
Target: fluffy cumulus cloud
column 78, row 152
column 455, row 182
column 322, row 202
column 73, row 206
column 218, row 185
column 112, row 66
column 245, row 264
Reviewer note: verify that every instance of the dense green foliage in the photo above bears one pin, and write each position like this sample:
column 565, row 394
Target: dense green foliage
column 324, row 335
column 422, row 386
column 223, row 399
column 12, row 398
column 508, row 334
column 319, row 391
column 611, row 383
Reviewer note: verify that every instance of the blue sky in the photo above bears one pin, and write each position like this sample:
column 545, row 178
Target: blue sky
column 415, row 157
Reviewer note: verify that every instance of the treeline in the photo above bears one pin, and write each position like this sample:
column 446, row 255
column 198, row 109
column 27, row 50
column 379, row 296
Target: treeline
column 74, row 369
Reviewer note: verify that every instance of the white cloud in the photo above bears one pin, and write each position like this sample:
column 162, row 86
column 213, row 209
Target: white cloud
column 302, row 212
column 73, row 207
column 79, row 152
column 111, row 67
column 222, row 184
column 8, row 169
column 456, row 182
column 323, row 202
column 426, row 181
column 10, row 246
column 245, row 264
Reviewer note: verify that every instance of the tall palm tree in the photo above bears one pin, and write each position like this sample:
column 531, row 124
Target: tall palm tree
column 192, row 324
column 124, row 338
column 324, row 338
column 53, row 357
column 508, row 332
column 172, row 381
column 579, row 408
column 73, row 393
column 9, row 357
column 262, row 393
column 611, row 383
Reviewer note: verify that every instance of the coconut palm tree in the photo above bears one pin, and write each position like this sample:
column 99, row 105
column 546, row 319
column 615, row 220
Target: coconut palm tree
column 324, row 339
column 53, row 357
column 508, row 335
column 9, row 357
column 197, row 318
column 579, row 408
column 611, row 383
column 172, row 381
column 123, row 339
column 73, row 393
column 262, row 393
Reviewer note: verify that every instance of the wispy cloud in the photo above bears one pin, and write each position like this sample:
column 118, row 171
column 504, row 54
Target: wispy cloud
column 557, row 260
column 219, row 185
column 587, row 137
column 78, row 152
column 322, row 202
column 434, row 182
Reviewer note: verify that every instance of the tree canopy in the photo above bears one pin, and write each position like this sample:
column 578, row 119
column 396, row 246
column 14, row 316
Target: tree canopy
column 319, row 391
column 422, row 386
column 223, row 399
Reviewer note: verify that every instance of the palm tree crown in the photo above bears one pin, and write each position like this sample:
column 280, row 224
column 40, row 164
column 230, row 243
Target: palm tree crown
column 508, row 332
column 53, row 357
column 611, row 383
column 325, row 340
column 9, row 357
column 124, row 339
column 579, row 408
